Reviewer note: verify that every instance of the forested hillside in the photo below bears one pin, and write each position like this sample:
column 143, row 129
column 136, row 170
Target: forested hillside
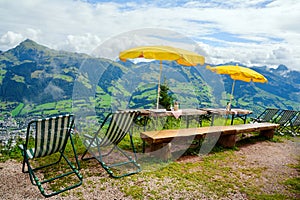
column 34, row 79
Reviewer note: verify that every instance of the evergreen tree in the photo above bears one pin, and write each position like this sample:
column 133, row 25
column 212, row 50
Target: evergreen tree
column 165, row 98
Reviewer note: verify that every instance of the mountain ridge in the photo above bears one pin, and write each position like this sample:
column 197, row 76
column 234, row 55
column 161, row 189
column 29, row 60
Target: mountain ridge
column 39, row 74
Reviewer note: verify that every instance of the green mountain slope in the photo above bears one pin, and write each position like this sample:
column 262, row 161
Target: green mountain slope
column 35, row 79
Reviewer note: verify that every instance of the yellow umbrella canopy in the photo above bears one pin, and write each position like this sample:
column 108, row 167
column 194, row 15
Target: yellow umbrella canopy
column 168, row 53
column 181, row 56
column 238, row 73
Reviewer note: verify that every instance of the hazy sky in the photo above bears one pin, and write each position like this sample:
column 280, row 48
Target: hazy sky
column 252, row 32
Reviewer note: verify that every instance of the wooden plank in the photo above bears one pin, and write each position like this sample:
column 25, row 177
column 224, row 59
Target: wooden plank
column 165, row 136
column 196, row 112
column 246, row 128
column 223, row 111
column 160, row 145
column 165, row 113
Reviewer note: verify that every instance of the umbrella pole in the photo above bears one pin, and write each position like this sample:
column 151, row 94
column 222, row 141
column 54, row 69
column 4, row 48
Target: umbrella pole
column 228, row 107
column 158, row 87
column 232, row 89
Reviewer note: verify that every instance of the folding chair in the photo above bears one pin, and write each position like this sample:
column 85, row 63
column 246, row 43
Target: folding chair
column 284, row 119
column 266, row 116
column 295, row 125
column 102, row 145
column 44, row 138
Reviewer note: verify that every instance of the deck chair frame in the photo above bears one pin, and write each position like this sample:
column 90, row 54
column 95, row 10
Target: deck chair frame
column 119, row 125
column 267, row 115
column 295, row 125
column 50, row 136
column 284, row 119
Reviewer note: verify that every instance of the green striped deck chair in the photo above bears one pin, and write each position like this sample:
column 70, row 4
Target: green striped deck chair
column 266, row 116
column 284, row 119
column 105, row 144
column 295, row 125
column 44, row 138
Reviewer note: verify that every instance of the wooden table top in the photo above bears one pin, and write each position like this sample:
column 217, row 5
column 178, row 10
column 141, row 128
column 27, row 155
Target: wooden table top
column 180, row 112
column 223, row 111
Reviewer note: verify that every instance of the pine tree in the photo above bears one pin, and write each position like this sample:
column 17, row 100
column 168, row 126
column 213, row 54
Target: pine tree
column 165, row 99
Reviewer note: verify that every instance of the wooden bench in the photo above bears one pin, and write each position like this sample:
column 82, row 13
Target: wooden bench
column 227, row 135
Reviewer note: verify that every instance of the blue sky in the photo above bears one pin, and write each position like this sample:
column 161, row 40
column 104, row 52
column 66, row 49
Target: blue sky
column 253, row 32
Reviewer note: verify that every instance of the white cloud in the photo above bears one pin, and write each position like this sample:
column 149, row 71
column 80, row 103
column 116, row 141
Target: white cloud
column 32, row 33
column 79, row 26
column 80, row 43
column 10, row 39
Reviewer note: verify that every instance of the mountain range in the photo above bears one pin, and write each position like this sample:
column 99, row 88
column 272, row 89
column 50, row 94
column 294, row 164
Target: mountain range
column 32, row 75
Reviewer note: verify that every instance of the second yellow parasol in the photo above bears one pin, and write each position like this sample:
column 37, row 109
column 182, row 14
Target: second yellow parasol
column 238, row 73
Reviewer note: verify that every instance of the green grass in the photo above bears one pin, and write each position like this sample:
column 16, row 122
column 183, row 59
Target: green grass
column 51, row 108
column 293, row 184
column 2, row 75
column 19, row 79
column 63, row 77
column 10, row 151
column 17, row 110
column 213, row 176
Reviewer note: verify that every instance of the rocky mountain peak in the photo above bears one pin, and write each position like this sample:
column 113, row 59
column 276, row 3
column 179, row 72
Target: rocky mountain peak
column 282, row 68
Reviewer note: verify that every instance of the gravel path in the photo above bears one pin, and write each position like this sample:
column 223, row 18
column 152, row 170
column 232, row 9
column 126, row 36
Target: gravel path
column 275, row 157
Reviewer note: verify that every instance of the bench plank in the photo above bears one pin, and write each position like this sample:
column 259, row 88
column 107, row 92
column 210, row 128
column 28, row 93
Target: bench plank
column 243, row 128
column 165, row 136
column 157, row 139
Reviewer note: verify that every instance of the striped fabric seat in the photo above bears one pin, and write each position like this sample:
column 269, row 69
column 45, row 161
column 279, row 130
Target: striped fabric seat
column 118, row 126
column 284, row 119
column 295, row 125
column 267, row 115
column 50, row 136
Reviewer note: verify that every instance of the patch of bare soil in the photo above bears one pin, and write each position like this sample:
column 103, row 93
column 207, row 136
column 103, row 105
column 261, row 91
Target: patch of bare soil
column 275, row 158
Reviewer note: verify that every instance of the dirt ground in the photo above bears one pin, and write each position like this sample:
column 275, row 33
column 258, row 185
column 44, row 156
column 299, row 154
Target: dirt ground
column 275, row 157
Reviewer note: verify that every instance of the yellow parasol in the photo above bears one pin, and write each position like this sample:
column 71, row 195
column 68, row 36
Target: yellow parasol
column 238, row 73
column 181, row 56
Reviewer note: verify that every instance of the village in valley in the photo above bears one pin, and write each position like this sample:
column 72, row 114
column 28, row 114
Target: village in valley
column 11, row 129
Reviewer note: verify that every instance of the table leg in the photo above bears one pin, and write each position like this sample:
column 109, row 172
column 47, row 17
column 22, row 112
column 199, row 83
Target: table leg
column 144, row 146
column 212, row 119
column 245, row 118
column 232, row 118
column 187, row 119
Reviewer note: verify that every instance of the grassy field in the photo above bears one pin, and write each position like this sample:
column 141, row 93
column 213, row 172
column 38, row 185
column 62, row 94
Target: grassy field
column 220, row 174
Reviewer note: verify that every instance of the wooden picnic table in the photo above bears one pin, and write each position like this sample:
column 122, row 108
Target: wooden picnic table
column 187, row 113
column 176, row 114
column 234, row 113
